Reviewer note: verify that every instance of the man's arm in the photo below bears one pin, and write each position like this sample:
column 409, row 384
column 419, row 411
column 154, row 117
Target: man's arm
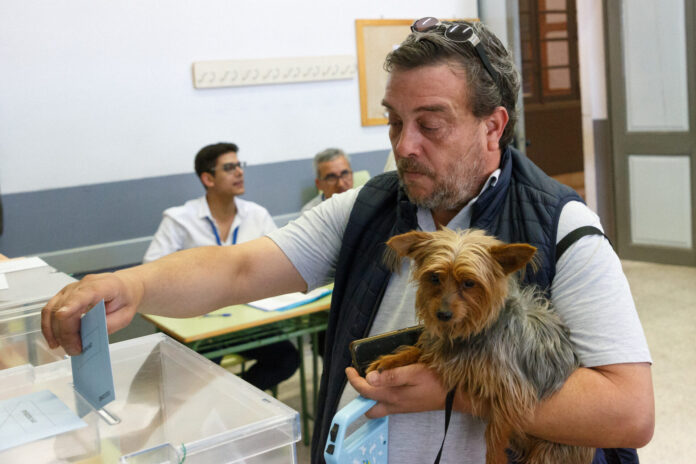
column 603, row 407
column 608, row 405
column 184, row 284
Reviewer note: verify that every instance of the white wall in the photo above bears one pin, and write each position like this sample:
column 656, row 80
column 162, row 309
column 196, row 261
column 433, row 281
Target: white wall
column 593, row 86
column 494, row 14
column 591, row 55
column 95, row 91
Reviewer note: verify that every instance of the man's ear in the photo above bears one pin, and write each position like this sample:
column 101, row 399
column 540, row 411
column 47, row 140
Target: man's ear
column 513, row 257
column 316, row 182
column 495, row 125
column 208, row 179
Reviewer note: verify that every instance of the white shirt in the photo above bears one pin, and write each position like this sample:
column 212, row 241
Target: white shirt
column 313, row 202
column 191, row 225
column 589, row 292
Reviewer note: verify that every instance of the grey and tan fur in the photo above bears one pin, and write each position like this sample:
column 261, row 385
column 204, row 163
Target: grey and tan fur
column 500, row 344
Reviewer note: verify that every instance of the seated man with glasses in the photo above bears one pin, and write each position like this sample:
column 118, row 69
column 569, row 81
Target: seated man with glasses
column 221, row 218
column 334, row 175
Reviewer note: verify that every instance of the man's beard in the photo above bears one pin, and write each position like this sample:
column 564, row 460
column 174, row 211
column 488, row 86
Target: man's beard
column 452, row 191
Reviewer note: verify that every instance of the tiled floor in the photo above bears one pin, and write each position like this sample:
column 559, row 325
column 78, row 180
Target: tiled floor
column 666, row 300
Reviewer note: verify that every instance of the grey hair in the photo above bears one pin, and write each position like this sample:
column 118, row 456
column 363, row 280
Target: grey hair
column 432, row 48
column 329, row 154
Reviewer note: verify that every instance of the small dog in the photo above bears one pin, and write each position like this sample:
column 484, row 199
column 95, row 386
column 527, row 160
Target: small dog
column 500, row 344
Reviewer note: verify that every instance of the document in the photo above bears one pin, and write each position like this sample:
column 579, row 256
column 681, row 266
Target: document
column 91, row 369
column 290, row 300
column 34, row 416
column 21, row 264
column 3, row 282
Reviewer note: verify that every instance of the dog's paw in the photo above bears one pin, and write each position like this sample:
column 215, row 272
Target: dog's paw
column 403, row 357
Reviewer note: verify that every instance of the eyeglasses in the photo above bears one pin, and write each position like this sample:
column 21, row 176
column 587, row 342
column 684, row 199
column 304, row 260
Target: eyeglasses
column 333, row 178
column 227, row 167
column 458, row 33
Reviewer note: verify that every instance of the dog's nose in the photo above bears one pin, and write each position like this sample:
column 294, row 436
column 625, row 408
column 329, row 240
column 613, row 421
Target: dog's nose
column 444, row 315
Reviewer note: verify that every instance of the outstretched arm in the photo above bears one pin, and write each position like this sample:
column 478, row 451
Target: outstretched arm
column 184, row 284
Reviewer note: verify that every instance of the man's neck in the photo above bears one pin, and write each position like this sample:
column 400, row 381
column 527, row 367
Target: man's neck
column 222, row 208
column 442, row 217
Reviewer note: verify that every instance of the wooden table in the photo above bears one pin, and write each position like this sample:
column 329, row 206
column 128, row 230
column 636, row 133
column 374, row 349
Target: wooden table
column 241, row 327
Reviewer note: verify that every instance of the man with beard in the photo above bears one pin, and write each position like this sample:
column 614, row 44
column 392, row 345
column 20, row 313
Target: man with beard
column 450, row 100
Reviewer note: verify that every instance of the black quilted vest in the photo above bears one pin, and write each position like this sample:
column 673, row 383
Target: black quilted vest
column 523, row 206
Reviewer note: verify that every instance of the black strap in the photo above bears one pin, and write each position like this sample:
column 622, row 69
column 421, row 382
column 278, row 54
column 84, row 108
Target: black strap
column 573, row 236
column 449, row 401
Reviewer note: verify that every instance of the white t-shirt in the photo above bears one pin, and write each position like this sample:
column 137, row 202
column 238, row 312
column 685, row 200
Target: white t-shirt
column 191, row 225
column 589, row 291
column 313, row 202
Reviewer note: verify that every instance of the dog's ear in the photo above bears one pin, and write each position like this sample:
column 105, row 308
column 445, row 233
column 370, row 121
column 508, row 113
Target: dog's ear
column 406, row 244
column 513, row 257
column 401, row 246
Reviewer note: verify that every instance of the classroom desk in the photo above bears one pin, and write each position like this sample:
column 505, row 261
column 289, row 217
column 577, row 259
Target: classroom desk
column 247, row 327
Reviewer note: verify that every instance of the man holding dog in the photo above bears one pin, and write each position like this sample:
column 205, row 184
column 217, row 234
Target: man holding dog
column 451, row 100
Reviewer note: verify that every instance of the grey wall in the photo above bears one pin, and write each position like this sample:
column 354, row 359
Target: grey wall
column 66, row 218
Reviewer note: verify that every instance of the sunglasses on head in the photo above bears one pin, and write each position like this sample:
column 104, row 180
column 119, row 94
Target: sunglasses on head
column 227, row 167
column 459, row 32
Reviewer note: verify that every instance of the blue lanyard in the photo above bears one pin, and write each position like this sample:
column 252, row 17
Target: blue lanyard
column 217, row 236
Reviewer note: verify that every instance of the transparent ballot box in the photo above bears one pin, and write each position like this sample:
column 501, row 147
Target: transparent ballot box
column 34, row 285
column 172, row 406
column 21, row 341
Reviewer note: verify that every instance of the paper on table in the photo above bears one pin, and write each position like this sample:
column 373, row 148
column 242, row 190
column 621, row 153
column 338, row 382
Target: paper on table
column 290, row 300
column 34, row 416
column 91, row 369
column 21, row 264
column 3, row 282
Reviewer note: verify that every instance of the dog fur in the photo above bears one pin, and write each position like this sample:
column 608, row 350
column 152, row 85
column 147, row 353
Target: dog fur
column 484, row 334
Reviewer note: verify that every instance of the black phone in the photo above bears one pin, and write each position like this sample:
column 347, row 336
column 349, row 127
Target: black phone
column 366, row 350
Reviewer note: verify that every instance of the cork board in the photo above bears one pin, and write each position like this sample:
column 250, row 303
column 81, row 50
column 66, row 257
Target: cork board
column 375, row 39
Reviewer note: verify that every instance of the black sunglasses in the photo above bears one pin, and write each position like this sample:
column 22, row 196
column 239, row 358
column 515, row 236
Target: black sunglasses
column 459, row 33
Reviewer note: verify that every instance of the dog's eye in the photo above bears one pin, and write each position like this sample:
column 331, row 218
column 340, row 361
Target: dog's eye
column 468, row 283
column 434, row 278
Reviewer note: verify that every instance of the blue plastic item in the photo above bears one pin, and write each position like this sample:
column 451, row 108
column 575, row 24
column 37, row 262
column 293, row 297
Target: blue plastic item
column 367, row 445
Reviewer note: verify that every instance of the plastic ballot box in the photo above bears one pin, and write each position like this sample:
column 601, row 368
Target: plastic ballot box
column 172, row 406
column 21, row 341
column 29, row 280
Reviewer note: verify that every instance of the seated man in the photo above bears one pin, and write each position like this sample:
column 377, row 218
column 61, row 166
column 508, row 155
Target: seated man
column 220, row 218
column 334, row 175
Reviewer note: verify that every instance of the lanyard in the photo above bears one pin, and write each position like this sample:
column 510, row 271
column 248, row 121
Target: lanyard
column 217, row 236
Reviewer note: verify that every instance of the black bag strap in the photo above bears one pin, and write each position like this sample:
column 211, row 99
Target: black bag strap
column 449, row 401
column 574, row 236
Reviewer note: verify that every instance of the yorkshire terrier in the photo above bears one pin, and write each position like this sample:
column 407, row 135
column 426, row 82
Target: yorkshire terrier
column 484, row 334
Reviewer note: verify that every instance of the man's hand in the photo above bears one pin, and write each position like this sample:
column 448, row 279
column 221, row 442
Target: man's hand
column 412, row 388
column 60, row 318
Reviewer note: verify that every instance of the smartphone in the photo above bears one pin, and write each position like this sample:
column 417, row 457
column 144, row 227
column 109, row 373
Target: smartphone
column 366, row 350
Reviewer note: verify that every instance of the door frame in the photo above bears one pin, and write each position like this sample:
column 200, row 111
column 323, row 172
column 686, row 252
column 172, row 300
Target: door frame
column 648, row 143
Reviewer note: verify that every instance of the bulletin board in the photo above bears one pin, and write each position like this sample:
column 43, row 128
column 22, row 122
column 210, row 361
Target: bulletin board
column 375, row 38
